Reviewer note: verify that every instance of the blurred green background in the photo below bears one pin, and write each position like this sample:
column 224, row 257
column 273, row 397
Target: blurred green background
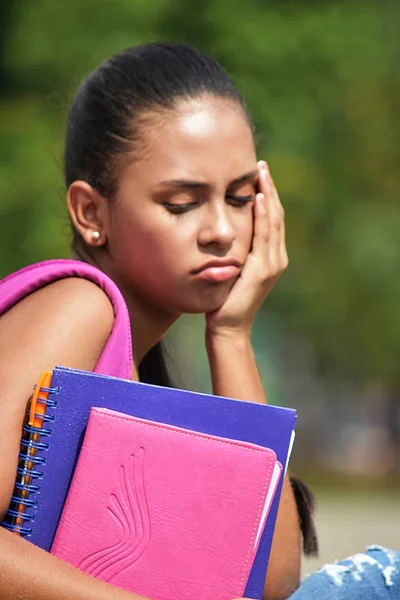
column 322, row 80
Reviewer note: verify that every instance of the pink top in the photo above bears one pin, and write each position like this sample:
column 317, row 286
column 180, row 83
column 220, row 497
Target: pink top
column 116, row 358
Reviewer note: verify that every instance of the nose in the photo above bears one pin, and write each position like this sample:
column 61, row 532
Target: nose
column 217, row 229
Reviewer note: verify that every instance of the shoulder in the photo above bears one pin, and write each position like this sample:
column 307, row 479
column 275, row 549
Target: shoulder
column 74, row 297
column 66, row 322
column 71, row 298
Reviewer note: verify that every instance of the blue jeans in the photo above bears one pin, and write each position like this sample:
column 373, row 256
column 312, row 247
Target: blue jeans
column 370, row 575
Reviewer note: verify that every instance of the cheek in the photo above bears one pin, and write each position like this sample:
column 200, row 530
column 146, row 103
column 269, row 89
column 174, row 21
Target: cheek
column 152, row 248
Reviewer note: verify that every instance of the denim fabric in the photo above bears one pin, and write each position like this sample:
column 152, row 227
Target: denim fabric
column 370, row 575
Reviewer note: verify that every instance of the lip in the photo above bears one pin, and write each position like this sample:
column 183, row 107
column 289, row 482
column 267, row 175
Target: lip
column 219, row 270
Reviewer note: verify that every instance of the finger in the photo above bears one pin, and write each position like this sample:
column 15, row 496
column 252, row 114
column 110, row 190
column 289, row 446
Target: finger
column 261, row 225
column 265, row 241
column 267, row 187
column 283, row 255
column 280, row 258
column 262, row 181
column 277, row 216
column 276, row 253
column 278, row 201
column 269, row 182
column 272, row 201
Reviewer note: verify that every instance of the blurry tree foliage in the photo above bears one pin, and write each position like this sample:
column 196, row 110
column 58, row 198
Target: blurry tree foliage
column 322, row 80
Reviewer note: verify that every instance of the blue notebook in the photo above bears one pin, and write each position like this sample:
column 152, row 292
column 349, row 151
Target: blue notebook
column 71, row 396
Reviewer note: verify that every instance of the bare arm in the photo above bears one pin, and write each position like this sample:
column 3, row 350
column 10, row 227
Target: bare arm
column 234, row 373
column 27, row 572
column 66, row 323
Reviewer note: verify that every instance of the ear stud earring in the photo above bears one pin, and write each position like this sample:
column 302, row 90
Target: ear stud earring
column 96, row 236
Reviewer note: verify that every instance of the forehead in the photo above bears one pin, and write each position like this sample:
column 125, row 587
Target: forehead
column 198, row 138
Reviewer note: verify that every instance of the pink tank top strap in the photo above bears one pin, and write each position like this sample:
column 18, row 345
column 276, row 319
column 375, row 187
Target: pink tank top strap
column 116, row 358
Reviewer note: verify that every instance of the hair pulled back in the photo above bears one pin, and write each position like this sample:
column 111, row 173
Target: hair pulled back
column 109, row 110
column 105, row 118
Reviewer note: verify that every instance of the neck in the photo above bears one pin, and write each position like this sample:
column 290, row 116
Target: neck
column 149, row 324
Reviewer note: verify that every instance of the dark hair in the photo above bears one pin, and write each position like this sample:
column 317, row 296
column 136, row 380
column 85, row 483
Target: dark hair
column 153, row 368
column 111, row 106
column 305, row 503
column 113, row 102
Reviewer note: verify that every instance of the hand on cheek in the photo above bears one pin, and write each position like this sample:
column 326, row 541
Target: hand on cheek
column 265, row 262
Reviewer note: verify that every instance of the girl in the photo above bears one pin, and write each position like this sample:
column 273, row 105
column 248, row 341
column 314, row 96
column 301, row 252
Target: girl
column 167, row 198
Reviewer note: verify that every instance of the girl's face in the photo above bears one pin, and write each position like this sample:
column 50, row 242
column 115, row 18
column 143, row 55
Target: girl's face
column 181, row 225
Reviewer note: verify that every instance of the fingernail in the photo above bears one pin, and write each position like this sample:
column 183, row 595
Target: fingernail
column 266, row 174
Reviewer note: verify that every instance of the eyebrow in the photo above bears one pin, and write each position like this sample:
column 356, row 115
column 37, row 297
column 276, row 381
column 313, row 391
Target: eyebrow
column 190, row 184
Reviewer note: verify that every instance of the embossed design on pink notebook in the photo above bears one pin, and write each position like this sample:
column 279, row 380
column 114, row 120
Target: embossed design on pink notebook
column 128, row 506
column 166, row 512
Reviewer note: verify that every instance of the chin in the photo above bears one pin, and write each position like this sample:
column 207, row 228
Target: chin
column 206, row 301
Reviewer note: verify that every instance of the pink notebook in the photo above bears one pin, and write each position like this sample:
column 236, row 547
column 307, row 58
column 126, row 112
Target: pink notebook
column 166, row 512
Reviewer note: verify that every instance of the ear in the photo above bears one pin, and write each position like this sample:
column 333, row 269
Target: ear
column 89, row 212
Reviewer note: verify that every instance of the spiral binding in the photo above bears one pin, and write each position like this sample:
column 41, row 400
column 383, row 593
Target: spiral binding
column 41, row 407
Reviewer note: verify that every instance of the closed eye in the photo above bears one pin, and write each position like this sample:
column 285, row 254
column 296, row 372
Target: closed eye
column 239, row 200
column 234, row 200
column 178, row 209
